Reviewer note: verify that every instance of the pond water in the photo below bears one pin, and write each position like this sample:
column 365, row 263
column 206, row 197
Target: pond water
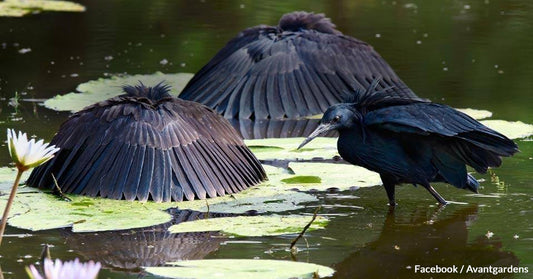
column 476, row 54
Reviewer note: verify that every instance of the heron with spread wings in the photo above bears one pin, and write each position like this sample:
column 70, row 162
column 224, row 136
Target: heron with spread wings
column 296, row 69
column 146, row 144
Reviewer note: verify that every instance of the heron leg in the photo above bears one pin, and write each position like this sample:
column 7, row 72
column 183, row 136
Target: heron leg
column 435, row 194
column 389, row 185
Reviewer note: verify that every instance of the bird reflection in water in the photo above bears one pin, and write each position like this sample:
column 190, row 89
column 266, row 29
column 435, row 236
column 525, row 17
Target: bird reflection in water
column 406, row 241
column 152, row 246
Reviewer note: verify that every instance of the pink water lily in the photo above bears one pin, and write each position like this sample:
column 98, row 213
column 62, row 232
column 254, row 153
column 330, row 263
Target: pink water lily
column 65, row 270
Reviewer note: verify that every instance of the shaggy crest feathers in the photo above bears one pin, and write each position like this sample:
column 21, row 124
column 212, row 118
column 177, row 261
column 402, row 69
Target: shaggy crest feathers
column 156, row 93
column 296, row 21
column 371, row 98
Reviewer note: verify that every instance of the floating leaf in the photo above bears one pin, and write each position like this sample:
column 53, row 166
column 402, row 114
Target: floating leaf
column 513, row 130
column 261, row 148
column 104, row 88
column 41, row 211
column 18, row 8
column 37, row 210
column 342, row 176
column 241, row 269
column 252, row 225
column 7, row 177
column 302, row 179
column 285, row 148
column 476, row 113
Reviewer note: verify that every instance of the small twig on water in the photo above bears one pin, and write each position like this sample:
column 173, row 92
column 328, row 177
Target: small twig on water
column 206, row 215
column 305, row 229
column 45, row 254
column 58, row 190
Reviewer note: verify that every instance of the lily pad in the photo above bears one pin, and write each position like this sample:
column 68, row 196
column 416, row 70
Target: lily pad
column 252, row 225
column 241, row 269
column 38, row 210
column 41, row 211
column 342, row 176
column 513, row 130
column 7, row 177
column 302, row 179
column 104, row 88
column 476, row 113
column 285, row 148
column 18, row 8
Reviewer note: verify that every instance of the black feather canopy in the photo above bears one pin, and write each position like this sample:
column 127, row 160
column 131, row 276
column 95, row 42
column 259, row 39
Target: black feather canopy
column 296, row 69
column 146, row 144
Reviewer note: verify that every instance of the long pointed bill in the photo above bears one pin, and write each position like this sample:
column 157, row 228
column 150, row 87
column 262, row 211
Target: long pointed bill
column 321, row 129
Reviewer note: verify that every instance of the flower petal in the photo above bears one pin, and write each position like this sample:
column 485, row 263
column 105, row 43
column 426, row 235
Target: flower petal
column 28, row 154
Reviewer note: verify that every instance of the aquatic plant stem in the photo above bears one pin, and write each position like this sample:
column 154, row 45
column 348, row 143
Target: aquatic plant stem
column 9, row 203
column 293, row 243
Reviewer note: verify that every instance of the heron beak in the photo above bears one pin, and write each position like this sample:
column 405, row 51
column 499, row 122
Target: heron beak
column 321, row 129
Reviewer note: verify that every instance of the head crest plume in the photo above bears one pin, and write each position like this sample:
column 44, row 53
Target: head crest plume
column 297, row 21
column 156, row 93
column 370, row 98
column 362, row 95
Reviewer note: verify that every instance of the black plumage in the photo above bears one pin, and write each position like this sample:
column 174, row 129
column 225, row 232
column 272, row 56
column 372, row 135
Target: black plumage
column 296, row 69
column 413, row 141
column 146, row 144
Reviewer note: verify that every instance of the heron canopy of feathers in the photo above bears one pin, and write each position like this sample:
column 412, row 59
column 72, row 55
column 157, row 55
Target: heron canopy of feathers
column 296, row 69
column 146, row 144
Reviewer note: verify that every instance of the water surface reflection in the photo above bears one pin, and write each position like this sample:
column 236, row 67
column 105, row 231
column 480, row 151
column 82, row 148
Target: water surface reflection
column 424, row 238
column 151, row 246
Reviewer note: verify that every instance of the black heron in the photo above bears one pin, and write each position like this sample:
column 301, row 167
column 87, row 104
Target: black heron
column 298, row 68
column 146, row 144
column 412, row 140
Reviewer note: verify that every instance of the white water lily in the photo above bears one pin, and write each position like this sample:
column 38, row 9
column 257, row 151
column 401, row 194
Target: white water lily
column 65, row 270
column 28, row 153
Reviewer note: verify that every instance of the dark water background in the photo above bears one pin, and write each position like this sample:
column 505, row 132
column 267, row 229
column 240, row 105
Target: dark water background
column 475, row 54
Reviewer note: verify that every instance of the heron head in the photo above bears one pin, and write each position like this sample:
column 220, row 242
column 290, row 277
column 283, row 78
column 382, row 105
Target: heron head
column 336, row 117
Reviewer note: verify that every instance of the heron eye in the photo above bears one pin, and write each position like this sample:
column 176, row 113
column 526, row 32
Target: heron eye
column 336, row 118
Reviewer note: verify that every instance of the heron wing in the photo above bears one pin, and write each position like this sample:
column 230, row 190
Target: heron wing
column 264, row 73
column 179, row 150
column 476, row 144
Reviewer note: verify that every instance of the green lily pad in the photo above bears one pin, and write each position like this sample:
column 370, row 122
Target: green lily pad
column 18, row 8
column 41, row 211
column 7, row 177
column 285, row 148
column 342, row 176
column 513, row 130
column 302, row 179
column 476, row 113
column 37, row 210
column 241, row 269
column 104, row 88
column 252, row 225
